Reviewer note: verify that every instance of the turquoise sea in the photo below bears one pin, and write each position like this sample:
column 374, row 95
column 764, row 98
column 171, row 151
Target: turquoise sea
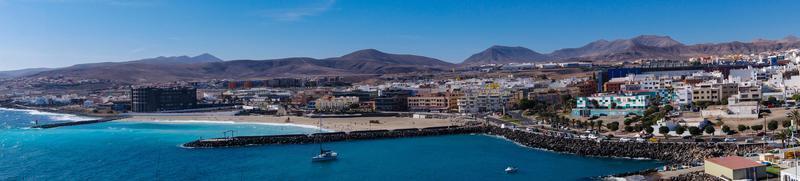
column 151, row 151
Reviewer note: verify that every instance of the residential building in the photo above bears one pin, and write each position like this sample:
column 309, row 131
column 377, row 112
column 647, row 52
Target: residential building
column 735, row 168
column 162, row 99
column 428, row 104
column 484, row 101
column 610, row 104
column 336, row 104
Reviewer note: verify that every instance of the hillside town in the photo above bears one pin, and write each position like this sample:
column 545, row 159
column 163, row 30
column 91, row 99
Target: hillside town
column 742, row 99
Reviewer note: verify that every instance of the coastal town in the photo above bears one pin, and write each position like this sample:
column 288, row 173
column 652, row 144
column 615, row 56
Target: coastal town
column 726, row 117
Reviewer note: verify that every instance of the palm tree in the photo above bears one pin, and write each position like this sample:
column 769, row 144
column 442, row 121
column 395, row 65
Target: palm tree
column 795, row 115
column 782, row 135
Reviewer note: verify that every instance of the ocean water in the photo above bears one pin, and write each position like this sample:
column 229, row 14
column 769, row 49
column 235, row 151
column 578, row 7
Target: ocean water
column 151, row 151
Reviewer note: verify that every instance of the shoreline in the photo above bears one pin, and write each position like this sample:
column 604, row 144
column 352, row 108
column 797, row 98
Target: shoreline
column 529, row 140
column 51, row 110
column 329, row 124
column 223, row 122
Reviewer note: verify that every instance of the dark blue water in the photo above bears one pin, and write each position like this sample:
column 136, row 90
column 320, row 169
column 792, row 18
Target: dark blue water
column 150, row 151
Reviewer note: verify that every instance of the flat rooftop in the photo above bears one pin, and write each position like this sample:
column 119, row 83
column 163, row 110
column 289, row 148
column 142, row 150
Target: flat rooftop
column 734, row 162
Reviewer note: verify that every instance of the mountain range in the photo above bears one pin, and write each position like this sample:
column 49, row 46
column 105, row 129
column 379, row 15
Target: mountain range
column 374, row 62
column 640, row 47
column 206, row 66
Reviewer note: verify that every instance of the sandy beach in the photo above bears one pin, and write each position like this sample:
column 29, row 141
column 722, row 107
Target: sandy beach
column 334, row 124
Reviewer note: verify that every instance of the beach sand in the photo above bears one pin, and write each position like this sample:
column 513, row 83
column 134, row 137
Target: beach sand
column 334, row 124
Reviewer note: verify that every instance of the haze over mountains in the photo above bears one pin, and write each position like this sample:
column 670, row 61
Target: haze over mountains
column 371, row 61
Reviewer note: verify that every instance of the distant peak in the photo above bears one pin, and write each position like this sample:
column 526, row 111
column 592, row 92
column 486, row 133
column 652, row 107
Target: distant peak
column 502, row 46
column 206, row 57
column 790, row 38
column 365, row 53
column 655, row 41
column 508, row 48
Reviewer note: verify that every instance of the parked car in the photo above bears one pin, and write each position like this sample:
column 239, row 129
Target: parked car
column 641, row 140
column 687, row 137
column 624, row 139
column 730, row 140
column 591, row 136
column 749, row 140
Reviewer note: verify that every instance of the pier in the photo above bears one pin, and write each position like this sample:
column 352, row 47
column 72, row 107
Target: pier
column 75, row 123
column 332, row 136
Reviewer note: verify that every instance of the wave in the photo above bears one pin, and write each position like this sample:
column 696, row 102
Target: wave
column 50, row 115
column 236, row 122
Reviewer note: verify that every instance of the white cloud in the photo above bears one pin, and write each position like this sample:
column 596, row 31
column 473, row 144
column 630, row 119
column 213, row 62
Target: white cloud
column 298, row 13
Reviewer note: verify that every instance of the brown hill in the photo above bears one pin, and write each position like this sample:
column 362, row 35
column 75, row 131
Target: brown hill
column 645, row 47
column 360, row 62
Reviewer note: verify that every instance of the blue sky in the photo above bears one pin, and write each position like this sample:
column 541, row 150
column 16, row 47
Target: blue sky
column 56, row 33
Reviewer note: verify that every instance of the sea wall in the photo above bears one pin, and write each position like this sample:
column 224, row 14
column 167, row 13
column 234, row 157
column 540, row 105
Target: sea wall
column 76, row 123
column 675, row 153
column 685, row 153
column 330, row 137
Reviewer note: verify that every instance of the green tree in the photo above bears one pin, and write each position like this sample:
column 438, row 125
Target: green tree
column 668, row 108
column 679, row 130
column 786, row 123
column 663, row 130
column 742, row 128
column 628, row 121
column 772, row 125
column 757, row 127
column 709, row 130
column 613, row 126
column 726, row 129
column 628, row 128
column 695, row 131
column 648, row 129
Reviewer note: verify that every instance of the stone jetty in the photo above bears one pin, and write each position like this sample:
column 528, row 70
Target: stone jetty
column 75, row 123
column 681, row 153
column 331, row 137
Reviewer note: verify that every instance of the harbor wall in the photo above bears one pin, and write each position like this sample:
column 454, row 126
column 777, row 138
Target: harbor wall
column 684, row 153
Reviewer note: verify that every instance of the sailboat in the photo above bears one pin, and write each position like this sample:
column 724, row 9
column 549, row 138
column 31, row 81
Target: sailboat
column 324, row 155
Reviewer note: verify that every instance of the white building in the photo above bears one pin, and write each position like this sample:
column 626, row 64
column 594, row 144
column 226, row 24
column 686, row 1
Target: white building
column 790, row 174
column 483, row 101
column 335, row 104
column 618, row 101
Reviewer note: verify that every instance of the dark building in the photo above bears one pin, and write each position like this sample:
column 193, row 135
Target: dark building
column 163, row 99
column 393, row 100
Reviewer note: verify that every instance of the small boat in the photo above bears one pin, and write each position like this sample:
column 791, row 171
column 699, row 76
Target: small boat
column 324, row 155
column 511, row 169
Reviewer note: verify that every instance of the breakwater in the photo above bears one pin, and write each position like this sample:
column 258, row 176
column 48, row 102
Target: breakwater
column 75, row 123
column 332, row 136
column 683, row 153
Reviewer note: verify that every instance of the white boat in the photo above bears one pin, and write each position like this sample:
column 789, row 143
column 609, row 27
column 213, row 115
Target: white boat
column 511, row 169
column 324, row 155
